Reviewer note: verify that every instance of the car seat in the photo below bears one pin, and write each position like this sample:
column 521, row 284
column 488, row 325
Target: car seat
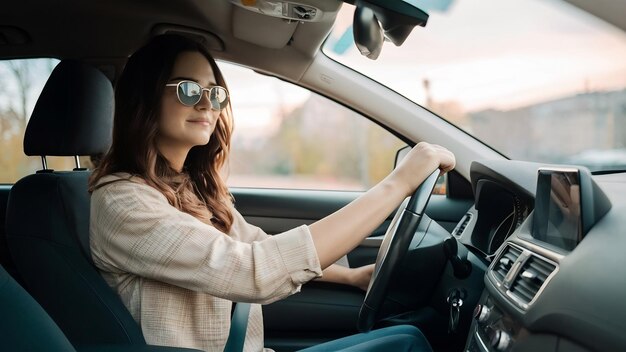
column 47, row 221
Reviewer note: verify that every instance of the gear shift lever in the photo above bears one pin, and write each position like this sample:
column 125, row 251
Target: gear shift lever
column 458, row 258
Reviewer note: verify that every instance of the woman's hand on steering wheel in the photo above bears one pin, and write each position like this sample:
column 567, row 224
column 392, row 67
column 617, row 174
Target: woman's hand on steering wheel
column 422, row 156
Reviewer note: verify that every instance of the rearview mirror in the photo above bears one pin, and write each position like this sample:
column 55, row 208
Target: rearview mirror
column 377, row 20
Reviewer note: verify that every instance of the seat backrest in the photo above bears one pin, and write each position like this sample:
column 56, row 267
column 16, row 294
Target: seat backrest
column 24, row 325
column 47, row 221
column 5, row 258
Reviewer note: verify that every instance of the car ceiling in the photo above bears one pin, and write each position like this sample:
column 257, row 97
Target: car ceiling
column 105, row 33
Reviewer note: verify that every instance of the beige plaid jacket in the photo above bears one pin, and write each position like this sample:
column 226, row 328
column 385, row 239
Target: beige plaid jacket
column 178, row 275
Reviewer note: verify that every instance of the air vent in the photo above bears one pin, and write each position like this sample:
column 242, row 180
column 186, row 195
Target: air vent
column 506, row 261
column 530, row 279
column 458, row 230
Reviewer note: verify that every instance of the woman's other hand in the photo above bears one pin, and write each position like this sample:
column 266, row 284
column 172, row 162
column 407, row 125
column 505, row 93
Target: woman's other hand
column 361, row 276
column 358, row 277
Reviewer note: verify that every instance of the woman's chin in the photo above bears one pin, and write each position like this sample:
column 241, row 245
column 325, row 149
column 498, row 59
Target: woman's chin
column 201, row 141
column 200, row 138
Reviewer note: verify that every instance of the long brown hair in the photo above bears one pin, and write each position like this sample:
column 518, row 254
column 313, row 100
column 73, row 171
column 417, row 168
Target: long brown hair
column 201, row 191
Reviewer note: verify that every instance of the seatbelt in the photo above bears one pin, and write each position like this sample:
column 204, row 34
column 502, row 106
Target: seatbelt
column 238, row 327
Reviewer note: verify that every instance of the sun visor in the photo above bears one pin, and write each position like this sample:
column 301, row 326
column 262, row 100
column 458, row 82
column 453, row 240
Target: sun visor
column 262, row 30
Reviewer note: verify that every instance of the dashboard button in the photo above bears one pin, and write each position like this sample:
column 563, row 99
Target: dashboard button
column 482, row 313
column 499, row 340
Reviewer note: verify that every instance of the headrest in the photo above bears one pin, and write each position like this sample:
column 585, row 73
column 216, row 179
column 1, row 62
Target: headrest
column 73, row 115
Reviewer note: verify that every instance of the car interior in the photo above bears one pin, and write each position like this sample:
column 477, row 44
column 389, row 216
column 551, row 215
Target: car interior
column 513, row 255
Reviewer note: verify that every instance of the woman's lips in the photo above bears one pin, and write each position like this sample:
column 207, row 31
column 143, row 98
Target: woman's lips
column 200, row 122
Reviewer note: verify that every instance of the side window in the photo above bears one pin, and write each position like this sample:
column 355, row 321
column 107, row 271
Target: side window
column 22, row 82
column 288, row 137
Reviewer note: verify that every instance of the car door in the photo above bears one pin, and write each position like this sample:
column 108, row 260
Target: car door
column 321, row 311
column 296, row 158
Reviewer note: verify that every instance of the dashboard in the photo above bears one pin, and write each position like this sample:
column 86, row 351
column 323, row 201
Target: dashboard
column 499, row 209
column 555, row 280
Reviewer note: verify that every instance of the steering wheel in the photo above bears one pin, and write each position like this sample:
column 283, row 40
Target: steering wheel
column 393, row 249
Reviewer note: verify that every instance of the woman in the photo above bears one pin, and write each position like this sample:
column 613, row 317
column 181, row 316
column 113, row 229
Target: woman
column 164, row 231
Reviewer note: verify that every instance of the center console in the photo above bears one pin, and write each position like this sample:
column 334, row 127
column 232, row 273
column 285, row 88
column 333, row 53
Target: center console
column 567, row 204
column 493, row 329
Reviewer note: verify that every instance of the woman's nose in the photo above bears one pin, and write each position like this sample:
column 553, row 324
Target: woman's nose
column 205, row 101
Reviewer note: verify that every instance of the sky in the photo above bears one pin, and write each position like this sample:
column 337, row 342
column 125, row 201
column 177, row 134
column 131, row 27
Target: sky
column 498, row 54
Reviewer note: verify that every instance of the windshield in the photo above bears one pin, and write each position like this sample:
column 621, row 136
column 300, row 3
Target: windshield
column 537, row 80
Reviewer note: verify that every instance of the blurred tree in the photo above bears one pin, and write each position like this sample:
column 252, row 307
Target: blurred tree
column 21, row 70
column 320, row 143
column 21, row 78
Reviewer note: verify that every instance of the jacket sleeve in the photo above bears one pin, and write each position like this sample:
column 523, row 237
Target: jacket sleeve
column 244, row 231
column 134, row 229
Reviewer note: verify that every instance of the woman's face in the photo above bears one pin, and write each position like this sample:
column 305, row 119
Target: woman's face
column 182, row 127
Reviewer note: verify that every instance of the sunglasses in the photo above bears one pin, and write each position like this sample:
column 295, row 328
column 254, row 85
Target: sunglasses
column 190, row 93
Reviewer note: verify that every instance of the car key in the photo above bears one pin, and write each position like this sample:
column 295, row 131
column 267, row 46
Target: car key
column 456, row 302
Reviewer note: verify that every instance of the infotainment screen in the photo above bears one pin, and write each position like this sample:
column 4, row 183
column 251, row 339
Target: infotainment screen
column 557, row 215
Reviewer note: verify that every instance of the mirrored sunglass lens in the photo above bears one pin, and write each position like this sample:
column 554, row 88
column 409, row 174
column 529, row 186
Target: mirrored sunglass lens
column 218, row 97
column 189, row 93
